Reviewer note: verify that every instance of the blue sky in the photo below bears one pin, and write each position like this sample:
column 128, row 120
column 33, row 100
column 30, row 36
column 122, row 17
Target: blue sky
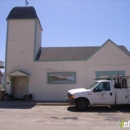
column 75, row 22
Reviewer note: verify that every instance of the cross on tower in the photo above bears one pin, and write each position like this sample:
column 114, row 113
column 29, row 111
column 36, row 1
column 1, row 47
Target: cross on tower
column 26, row 2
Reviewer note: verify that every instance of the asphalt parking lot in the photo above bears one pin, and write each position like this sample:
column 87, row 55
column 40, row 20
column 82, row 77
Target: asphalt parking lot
column 20, row 115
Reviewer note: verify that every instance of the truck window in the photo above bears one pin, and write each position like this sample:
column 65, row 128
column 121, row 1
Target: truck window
column 93, row 85
column 104, row 86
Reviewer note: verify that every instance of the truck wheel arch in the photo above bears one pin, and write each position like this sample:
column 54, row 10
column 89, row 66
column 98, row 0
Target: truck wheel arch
column 83, row 99
column 82, row 104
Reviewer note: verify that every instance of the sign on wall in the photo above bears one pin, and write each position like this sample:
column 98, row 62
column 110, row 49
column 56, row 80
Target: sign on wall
column 61, row 77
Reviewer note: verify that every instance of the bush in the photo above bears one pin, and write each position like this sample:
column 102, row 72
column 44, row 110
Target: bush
column 8, row 97
column 28, row 97
column 6, row 94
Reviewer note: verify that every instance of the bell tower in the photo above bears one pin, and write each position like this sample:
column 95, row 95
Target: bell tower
column 23, row 36
column 23, row 40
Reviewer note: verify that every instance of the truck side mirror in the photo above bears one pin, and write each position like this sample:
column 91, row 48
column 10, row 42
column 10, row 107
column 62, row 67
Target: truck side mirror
column 95, row 90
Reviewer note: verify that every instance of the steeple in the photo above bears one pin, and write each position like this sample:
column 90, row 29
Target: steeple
column 22, row 13
column 23, row 34
column 27, row 12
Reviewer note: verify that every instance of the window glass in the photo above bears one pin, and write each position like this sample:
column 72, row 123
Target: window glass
column 99, row 88
column 92, row 85
column 105, row 86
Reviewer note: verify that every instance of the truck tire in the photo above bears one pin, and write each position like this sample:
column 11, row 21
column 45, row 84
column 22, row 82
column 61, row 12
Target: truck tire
column 82, row 104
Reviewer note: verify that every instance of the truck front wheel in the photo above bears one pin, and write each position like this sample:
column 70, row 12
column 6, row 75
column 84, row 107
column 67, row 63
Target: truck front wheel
column 82, row 104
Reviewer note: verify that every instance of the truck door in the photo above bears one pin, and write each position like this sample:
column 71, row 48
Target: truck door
column 129, row 95
column 103, row 94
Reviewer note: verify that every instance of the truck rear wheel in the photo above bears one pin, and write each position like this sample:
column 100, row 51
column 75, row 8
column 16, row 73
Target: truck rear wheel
column 82, row 104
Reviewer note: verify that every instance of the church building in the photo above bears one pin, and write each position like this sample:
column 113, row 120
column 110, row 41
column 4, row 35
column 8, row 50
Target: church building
column 49, row 72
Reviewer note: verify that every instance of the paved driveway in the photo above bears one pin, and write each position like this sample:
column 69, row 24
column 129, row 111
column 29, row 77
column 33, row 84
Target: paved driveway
column 19, row 115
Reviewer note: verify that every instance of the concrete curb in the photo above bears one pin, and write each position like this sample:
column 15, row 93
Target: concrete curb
column 33, row 103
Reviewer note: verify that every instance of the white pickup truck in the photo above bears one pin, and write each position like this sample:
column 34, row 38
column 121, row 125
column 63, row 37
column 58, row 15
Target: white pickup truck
column 102, row 92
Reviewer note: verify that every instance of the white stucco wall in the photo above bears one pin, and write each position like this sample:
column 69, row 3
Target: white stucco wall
column 38, row 32
column 108, row 58
column 20, row 56
column 20, row 43
column 44, row 91
column 20, row 46
column 39, row 86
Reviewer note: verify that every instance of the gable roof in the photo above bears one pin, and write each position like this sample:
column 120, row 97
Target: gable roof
column 121, row 47
column 18, row 73
column 124, row 49
column 70, row 53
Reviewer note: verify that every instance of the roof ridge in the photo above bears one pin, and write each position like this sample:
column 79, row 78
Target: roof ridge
column 74, row 47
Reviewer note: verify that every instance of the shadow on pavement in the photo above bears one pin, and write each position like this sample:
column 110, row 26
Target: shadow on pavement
column 17, row 105
column 99, row 109
column 21, row 104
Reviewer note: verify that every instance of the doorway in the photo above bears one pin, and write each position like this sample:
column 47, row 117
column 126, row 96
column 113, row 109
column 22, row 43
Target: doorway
column 19, row 87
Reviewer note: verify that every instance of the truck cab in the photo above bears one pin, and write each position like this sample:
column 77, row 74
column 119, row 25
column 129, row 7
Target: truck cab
column 101, row 92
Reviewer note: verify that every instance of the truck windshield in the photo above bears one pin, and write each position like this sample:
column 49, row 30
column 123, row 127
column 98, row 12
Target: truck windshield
column 93, row 85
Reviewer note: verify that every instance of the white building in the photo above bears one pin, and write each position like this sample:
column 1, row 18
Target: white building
column 48, row 73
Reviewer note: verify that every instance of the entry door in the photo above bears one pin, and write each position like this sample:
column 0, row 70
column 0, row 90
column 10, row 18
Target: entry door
column 103, row 94
column 19, row 87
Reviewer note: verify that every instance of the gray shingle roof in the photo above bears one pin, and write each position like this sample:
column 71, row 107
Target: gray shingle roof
column 123, row 48
column 23, row 13
column 68, row 53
